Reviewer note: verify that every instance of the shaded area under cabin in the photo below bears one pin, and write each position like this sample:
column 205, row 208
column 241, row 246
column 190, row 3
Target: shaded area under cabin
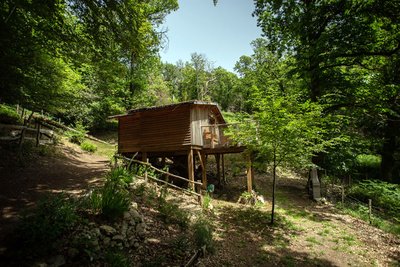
column 184, row 134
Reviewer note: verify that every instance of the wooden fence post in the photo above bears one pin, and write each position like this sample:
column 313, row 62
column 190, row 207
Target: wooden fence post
column 342, row 192
column 38, row 134
column 145, row 173
column 370, row 210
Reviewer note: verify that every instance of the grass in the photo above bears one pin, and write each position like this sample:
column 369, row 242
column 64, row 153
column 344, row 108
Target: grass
column 106, row 150
column 89, row 147
column 313, row 240
column 362, row 213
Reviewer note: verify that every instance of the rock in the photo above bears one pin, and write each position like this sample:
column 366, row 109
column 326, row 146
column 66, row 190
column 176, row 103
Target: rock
column 118, row 238
column 127, row 215
column 94, row 243
column 134, row 205
column 106, row 241
column 96, row 231
column 141, row 229
column 72, row 252
column 56, row 261
column 124, row 228
column 135, row 215
column 261, row 199
column 136, row 244
column 108, row 230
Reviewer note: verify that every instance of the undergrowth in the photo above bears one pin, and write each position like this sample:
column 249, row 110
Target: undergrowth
column 39, row 231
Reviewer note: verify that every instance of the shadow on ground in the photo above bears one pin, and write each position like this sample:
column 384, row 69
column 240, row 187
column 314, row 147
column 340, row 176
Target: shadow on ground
column 24, row 182
column 246, row 238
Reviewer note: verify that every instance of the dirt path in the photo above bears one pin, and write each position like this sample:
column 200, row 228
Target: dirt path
column 305, row 234
column 70, row 171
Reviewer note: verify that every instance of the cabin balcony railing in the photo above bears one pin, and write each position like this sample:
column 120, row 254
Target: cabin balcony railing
column 214, row 136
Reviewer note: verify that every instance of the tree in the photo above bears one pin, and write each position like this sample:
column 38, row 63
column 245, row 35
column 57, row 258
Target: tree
column 340, row 46
column 281, row 132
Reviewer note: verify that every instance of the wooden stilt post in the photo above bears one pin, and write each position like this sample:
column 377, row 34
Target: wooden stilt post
column 191, row 169
column 217, row 159
column 144, row 156
column 203, row 162
column 250, row 175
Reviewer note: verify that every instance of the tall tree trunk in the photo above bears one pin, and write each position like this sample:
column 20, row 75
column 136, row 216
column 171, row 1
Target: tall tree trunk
column 389, row 147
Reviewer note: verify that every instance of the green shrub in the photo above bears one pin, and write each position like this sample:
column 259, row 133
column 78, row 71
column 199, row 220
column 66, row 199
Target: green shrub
column 75, row 137
column 116, row 259
column 206, row 201
column 384, row 195
column 8, row 115
column 89, row 147
column 202, row 233
column 53, row 217
column 171, row 213
column 111, row 201
column 368, row 161
column 120, row 176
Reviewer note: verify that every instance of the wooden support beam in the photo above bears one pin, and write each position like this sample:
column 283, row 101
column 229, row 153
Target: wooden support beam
column 217, row 159
column 250, row 174
column 191, row 169
column 203, row 162
column 144, row 156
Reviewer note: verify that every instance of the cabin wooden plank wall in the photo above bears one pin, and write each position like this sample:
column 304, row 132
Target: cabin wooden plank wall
column 155, row 130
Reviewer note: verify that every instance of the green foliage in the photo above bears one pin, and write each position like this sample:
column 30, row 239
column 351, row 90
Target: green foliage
column 116, row 259
column 53, row 217
column 206, row 201
column 8, row 115
column 180, row 244
column 246, row 195
column 368, row 161
column 384, row 195
column 203, row 234
column 120, row 176
column 172, row 213
column 113, row 199
column 362, row 211
column 77, row 136
column 89, row 147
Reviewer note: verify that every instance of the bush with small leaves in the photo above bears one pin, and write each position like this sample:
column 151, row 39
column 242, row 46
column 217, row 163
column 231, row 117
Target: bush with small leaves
column 171, row 213
column 202, row 233
column 8, row 115
column 54, row 216
column 89, row 147
column 120, row 176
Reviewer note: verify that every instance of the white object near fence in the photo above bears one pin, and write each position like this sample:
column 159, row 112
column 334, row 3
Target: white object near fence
column 316, row 185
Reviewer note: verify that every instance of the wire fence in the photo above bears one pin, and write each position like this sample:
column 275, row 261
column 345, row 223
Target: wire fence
column 365, row 207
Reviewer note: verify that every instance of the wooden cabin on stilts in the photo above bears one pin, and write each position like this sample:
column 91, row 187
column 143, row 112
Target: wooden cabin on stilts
column 185, row 134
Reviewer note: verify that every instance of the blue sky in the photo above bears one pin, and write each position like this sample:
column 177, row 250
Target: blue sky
column 223, row 32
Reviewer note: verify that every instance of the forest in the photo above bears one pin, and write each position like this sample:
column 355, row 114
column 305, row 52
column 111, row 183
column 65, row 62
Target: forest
column 83, row 61
column 321, row 88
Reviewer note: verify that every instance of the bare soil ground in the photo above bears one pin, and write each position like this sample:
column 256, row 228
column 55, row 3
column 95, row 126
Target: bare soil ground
column 23, row 182
column 305, row 234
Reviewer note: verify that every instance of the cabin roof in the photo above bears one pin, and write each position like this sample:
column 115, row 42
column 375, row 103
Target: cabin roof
column 212, row 106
